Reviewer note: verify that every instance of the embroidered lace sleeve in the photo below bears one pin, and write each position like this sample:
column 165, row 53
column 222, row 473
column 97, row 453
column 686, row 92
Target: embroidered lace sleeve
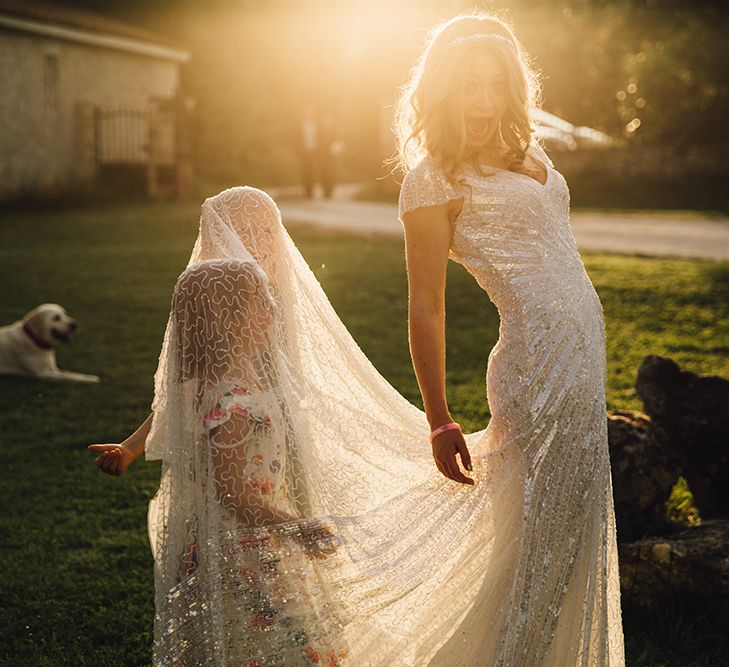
column 425, row 185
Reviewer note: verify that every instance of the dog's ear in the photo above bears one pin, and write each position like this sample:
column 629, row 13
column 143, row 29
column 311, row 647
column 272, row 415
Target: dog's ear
column 38, row 320
column 35, row 321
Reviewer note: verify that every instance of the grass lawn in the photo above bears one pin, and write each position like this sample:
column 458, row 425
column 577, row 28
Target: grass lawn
column 78, row 584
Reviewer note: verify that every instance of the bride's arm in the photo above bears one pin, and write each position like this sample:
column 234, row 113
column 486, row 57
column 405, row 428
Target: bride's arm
column 427, row 242
column 427, row 239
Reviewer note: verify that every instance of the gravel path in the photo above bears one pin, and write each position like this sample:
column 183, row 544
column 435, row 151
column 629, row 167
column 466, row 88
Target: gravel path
column 670, row 234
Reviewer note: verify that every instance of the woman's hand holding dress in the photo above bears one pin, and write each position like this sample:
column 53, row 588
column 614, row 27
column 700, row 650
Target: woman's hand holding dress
column 445, row 447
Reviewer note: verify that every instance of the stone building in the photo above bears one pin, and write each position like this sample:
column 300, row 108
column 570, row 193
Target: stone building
column 88, row 104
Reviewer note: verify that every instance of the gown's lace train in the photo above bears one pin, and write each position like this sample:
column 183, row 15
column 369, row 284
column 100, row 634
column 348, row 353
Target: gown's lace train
column 519, row 570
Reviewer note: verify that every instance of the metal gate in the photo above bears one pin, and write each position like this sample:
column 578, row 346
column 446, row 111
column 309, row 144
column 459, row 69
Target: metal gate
column 136, row 150
column 122, row 137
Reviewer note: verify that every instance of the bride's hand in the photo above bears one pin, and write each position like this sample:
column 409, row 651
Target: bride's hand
column 445, row 447
column 114, row 459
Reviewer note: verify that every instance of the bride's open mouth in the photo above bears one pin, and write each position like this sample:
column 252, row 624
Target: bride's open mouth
column 478, row 126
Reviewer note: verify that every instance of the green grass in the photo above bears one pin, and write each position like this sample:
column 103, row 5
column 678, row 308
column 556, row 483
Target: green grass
column 78, row 587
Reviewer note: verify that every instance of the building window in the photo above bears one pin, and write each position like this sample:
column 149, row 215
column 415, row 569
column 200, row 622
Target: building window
column 50, row 81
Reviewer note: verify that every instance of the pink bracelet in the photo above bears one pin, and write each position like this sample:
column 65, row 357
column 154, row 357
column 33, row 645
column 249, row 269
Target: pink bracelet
column 446, row 427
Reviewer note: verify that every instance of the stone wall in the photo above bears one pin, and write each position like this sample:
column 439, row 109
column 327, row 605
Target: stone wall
column 49, row 90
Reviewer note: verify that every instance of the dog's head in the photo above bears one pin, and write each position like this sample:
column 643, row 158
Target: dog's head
column 49, row 323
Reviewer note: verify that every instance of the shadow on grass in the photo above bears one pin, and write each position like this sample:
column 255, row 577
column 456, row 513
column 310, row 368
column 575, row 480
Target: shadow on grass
column 677, row 632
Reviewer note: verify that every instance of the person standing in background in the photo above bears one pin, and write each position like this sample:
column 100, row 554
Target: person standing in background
column 315, row 145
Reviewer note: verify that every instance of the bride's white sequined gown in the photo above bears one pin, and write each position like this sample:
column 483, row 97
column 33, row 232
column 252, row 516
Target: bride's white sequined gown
column 553, row 578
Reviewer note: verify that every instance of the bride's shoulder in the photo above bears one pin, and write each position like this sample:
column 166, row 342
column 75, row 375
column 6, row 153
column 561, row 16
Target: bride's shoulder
column 426, row 167
column 425, row 184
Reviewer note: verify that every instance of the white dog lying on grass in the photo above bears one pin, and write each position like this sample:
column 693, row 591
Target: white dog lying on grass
column 27, row 345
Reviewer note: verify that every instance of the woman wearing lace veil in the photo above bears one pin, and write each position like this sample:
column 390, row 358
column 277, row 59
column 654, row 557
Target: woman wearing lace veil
column 233, row 548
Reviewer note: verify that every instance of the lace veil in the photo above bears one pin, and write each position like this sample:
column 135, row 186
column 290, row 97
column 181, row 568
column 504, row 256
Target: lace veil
column 272, row 424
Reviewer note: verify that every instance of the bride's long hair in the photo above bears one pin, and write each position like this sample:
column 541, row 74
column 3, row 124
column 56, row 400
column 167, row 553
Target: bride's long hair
column 421, row 112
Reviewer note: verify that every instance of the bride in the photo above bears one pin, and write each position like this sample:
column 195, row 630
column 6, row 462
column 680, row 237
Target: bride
column 302, row 516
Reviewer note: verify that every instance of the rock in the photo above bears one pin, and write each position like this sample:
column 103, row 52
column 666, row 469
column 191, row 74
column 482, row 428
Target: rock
column 643, row 470
column 693, row 412
column 693, row 562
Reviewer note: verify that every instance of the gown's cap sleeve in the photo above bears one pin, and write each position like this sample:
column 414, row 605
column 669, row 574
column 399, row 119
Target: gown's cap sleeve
column 425, row 185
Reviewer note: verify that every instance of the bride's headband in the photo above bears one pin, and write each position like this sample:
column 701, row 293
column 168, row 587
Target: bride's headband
column 482, row 37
